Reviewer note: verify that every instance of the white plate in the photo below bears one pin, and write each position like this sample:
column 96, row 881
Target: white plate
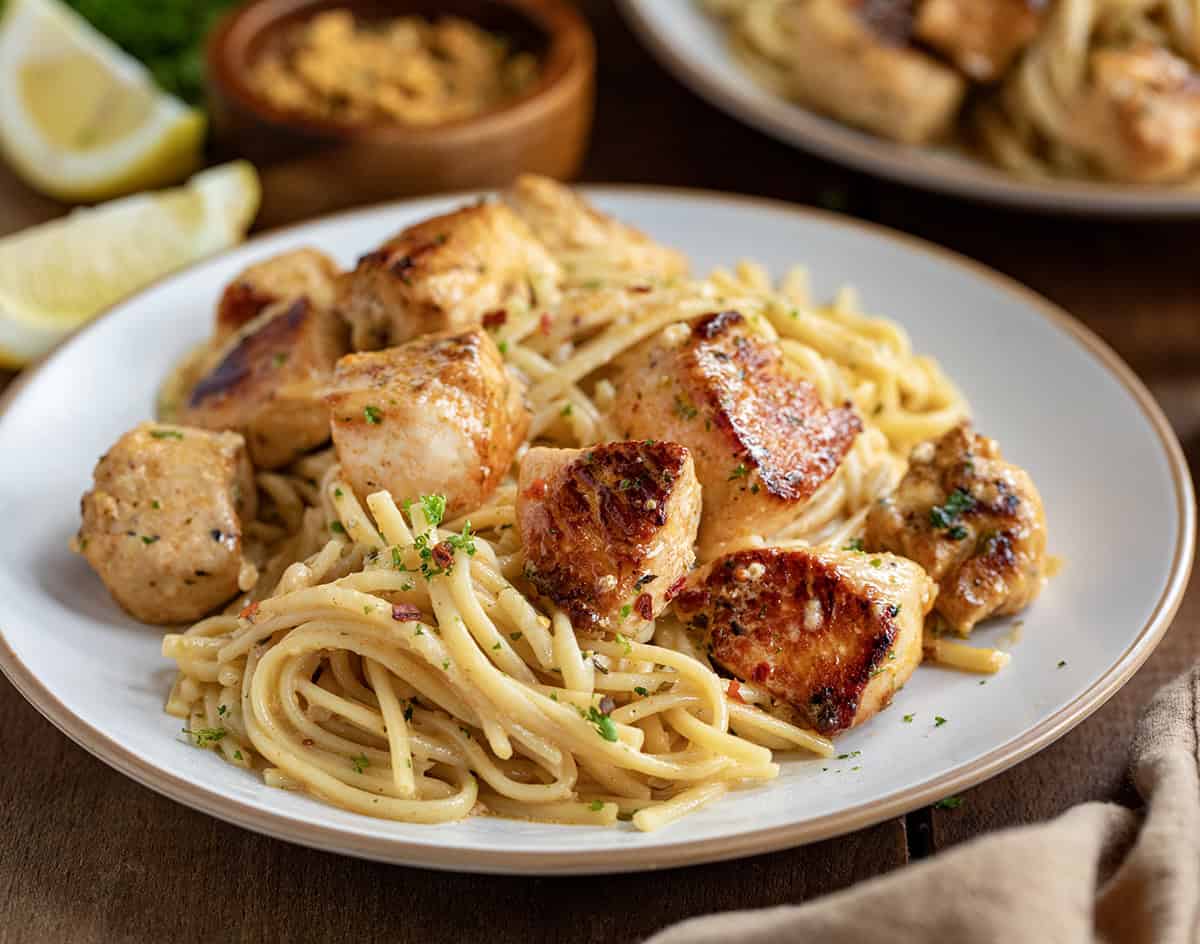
column 1114, row 480
column 693, row 46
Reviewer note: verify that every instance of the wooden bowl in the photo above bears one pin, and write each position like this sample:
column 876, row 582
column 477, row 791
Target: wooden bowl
column 313, row 166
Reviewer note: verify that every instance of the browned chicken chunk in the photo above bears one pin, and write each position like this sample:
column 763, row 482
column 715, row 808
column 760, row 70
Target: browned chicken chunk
column 440, row 414
column 973, row 521
column 446, row 273
column 269, row 381
column 162, row 525
column 833, row 634
column 300, row 273
column 849, row 60
column 761, row 439
column 609, row 531
column 577, row 234
column 981, row 37
column 1139, row 120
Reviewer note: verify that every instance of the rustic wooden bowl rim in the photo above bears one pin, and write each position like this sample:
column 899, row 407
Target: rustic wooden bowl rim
column 569, row 53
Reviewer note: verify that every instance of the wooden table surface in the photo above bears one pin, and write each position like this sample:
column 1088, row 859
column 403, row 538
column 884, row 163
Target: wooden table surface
column 87, row 855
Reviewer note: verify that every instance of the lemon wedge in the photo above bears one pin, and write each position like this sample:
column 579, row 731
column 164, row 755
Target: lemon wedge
column 80, row 119
column 56, row 276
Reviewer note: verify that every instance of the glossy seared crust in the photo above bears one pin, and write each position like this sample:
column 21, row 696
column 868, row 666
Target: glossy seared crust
column 832, row 634
column 306, row 273
column 567, row 224
column 973, row 521
column 762, row 441
column 440, row 414
column 608, row 527
column 162, row 525
column 981, row 37
column 446, row 273
column 269, row 382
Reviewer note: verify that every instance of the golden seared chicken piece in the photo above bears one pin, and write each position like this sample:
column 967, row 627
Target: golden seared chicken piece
column 440, row 414
column 1139, row 119
column 574, row 230
column 269, row 381
column 609, row 531
column 834, row 634
column 981, row 37
column 162, row 525
column 446, row 273
column 848, row 59
column 761, row 439
column 300, row 273
column 973, row 521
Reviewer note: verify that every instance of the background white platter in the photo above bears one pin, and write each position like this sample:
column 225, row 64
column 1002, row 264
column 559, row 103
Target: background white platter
column 1116, row 487
column 693, row 47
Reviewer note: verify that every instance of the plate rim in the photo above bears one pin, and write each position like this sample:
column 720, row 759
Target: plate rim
column 878, row 157
column 753, row 842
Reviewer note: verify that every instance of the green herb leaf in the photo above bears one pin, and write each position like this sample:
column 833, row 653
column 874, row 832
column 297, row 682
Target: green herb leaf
column 640, row 690
column 605, row 726
column 166, row 434
column 360, row 763
column 434, row 507
column 944, row 515
column 948, row 803
column 855, row 544
column 596, row 806
column 938, row 721
column 740, row 471
column 373, row 414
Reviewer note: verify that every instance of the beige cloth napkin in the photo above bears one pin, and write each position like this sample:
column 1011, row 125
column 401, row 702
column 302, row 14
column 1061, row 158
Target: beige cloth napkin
column 1098, row 873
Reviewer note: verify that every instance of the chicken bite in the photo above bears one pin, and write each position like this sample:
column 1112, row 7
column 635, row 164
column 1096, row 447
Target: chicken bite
column 446, row 273
column 1138, row 119
column 833, row 634
column 299, row 273
column 571, row 228
column 849, row 59
column 761, row 440
column 608, row 531
column 981, row 37
column 973, row 521
column 269, row 381
column 162, row 524
column 440, row 414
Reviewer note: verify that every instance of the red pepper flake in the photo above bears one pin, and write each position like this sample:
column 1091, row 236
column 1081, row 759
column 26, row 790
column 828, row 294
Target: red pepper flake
column 640, row 289
column 761, row 672
column 494, row 319
column 545, row 322
column 537, row 489
column 307, row 742
column 644, row 606
column 443, row 554
column 673, row 590
column 735, row 691
column 249, row 612
column 405, row 612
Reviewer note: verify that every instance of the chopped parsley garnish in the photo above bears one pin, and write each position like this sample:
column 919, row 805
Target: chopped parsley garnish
column 503, row 346
column 434, row 507
column 149, row 538
column 373, row 414
column 626, row 484
column 641, row 691
column 464, row 541
column 237, row 755
column 626, row 610
column 206, row 737
column 337, row 493
column 360, row 763
column 397, row 559
column 514, row 636
column 1062, row 663
column 943, row 516
column 604, row 724
column 907, row 719
column 876, row 562
column 280, row 359
column 566, row 410
column 166, row 434
column 337, row 527
column 155, row 504
column 740, row 471
column 222, row 710
column 948, row 803
column 957, row 533
column 624, row 644
column 684, row 409
column 938, row 721
column 596, row 806
column 854, row 544
column 894, row 610
column 848, row 756
column 497, row 646
column 408, row 712
column 445, row 665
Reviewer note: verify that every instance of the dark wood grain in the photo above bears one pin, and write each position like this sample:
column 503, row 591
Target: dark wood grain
column 86, row 855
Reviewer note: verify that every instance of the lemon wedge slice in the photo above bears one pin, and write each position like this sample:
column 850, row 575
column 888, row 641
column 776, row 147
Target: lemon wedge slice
column 56, row 276
column 80, row 119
